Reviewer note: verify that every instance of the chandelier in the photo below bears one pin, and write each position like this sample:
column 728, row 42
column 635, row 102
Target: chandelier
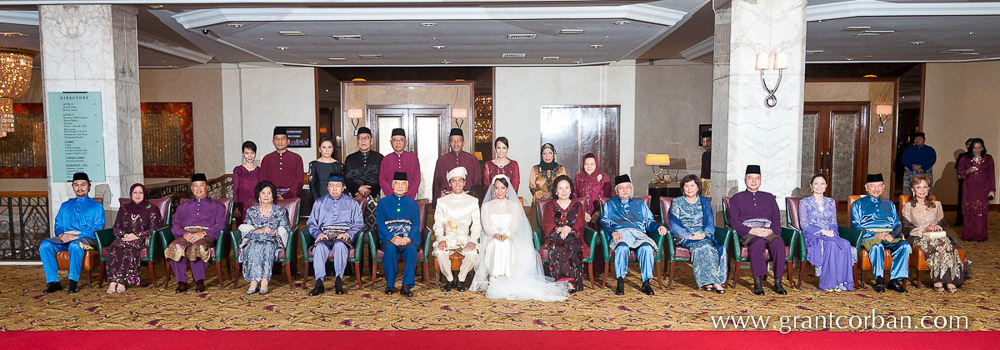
column 15, row 78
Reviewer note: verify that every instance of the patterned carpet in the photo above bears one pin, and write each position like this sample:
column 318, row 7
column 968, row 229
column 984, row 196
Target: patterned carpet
column 24, row 307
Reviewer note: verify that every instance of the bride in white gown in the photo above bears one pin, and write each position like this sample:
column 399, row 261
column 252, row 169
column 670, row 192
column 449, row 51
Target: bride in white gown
column 509, row 267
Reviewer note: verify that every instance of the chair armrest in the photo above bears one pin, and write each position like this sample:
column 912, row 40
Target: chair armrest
column 604, row 245
column 791, row 238
column 220, row 244
column 658, row 238
column 289, row 246
column 372, row 246
column 722, row 235
column 852, row 235
column 307, row 240
column 427, row 242
column 667, row 244
column 236, row 239
column 591, row 237
column 104, row 238
column 536, row 237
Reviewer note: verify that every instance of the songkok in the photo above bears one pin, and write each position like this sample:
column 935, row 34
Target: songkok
column 398, row 132
column 874, row 178
column 457, row 172
column 81, row 176
column 456, row 132
column 280, row 131
column 707, row 134
column 399, row 176
column 364, row 130
column 753, row 169
column 919, row 134
column 622, row 179
column 199, row 177
column 336, row 178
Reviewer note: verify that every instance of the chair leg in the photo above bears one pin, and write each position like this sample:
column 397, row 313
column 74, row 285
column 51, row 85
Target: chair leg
column 288, row 275
column 659, row 274
column 788, row 272
column 357, row 274
column 218, row 271
column 802, row 267
column 590, row 272
column 604, row 276
column 670, row 278
column 427, row 273
column 100, row 281
column 916, row 282
column 90, row 274
column 166, row 279
column 374, row 266
column 236, row 282
column 736, row 273
column 152, row 276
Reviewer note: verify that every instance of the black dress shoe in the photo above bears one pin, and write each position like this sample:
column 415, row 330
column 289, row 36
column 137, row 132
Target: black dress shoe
column 318, row 289
column 460, row 286
column 779, row 289
column 405, row 291
column 53, row 287
column 390, row 290
column 757, row 289
column 879, row 285
column 646, row 288
column 199, row 286
column 896, row 285
column 338, row 286
column 72, row 287
column 447, row 286
column 620, row 289
column 181, row 287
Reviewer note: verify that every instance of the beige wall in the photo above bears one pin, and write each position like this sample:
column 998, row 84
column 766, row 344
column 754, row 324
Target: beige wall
column 520, row 93
column 360, row 95
column 670, row 102
column 880, row 145
column 961, row 100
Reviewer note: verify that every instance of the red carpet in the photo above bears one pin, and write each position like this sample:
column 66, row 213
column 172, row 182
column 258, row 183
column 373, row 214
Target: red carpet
column 509, row 340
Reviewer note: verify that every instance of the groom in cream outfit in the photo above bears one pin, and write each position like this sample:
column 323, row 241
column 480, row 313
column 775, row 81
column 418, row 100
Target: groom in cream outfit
column 456, row 229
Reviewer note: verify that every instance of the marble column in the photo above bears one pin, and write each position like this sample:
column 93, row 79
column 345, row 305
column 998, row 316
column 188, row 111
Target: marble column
column 745, row 131
column 94, row 48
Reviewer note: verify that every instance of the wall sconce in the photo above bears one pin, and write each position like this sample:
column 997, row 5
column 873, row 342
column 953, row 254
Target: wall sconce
column 479, row 156
column 460, row 114
column 883, row 111
column 355, row 115
column 764, row 63
column 660, row 161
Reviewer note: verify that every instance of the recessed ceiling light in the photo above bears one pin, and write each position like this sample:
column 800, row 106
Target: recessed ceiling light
column 848, row 58
column 870, row 76
column 513, row 55
column 578, row 61
column 292, row 33
column 524, row 36
column 550, row 58
column 596, row 46
column 855, row 28
column 337, row 58
column 967, row 54
column 445, row 62
column 371, row 56
column 283, row 48
column 439, row 47
column 880, row 31
column 959, row 50
column 571, row 31
column 810, row 52
column 621, row 23
column 12, row 34
column 313, row 62
column 867, row 34
column 348, row 37
column 156, row 7
column 428, row 24
column 916, row 43
column 237, row 25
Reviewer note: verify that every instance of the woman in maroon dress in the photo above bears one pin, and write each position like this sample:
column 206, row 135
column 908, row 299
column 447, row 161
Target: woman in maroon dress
column 562, row 225
column 593, row 184
column 502, row 165
column 133, row 227
column 978, row 188
column 245, row 178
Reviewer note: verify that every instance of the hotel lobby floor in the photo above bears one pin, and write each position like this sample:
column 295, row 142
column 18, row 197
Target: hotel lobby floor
column 23, row 306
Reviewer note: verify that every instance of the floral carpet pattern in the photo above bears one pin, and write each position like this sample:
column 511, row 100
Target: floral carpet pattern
column 23, row 306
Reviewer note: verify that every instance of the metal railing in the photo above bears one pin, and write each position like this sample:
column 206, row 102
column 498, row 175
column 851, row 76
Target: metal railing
column 24, row 223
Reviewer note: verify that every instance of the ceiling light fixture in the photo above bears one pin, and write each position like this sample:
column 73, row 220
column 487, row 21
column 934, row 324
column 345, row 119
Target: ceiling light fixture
column 337, row 58
column 596, row 46
column 513, row 55
column 283, row 48
column 571, row 31
column 16, row 79
column 428, row 24
column 546, row 58
column 870, row 76
column 523, row 36
column 237, row 25
column 578, row 61
column 292, row 33
column 439, row 47
column 848, row 58
column 13, row 34
column 855, row 28
column 348, row 37
column 916, row 43
column 445, row 62
column 810, row 52
column 621, row 23
column 370, row 56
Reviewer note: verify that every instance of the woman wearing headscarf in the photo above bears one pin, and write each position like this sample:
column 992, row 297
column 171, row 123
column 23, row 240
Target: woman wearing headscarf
column 542, row 174
column 135, row 224
column 592, row 184
column 509, row 267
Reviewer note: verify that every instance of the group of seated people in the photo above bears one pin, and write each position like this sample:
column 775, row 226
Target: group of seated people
column 495, row 240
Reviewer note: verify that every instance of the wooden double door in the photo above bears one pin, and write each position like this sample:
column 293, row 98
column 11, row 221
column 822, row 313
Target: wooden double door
column 835, row 144
column 426, row 127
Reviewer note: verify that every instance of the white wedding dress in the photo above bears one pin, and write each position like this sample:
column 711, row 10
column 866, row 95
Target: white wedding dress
column 511, row 269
